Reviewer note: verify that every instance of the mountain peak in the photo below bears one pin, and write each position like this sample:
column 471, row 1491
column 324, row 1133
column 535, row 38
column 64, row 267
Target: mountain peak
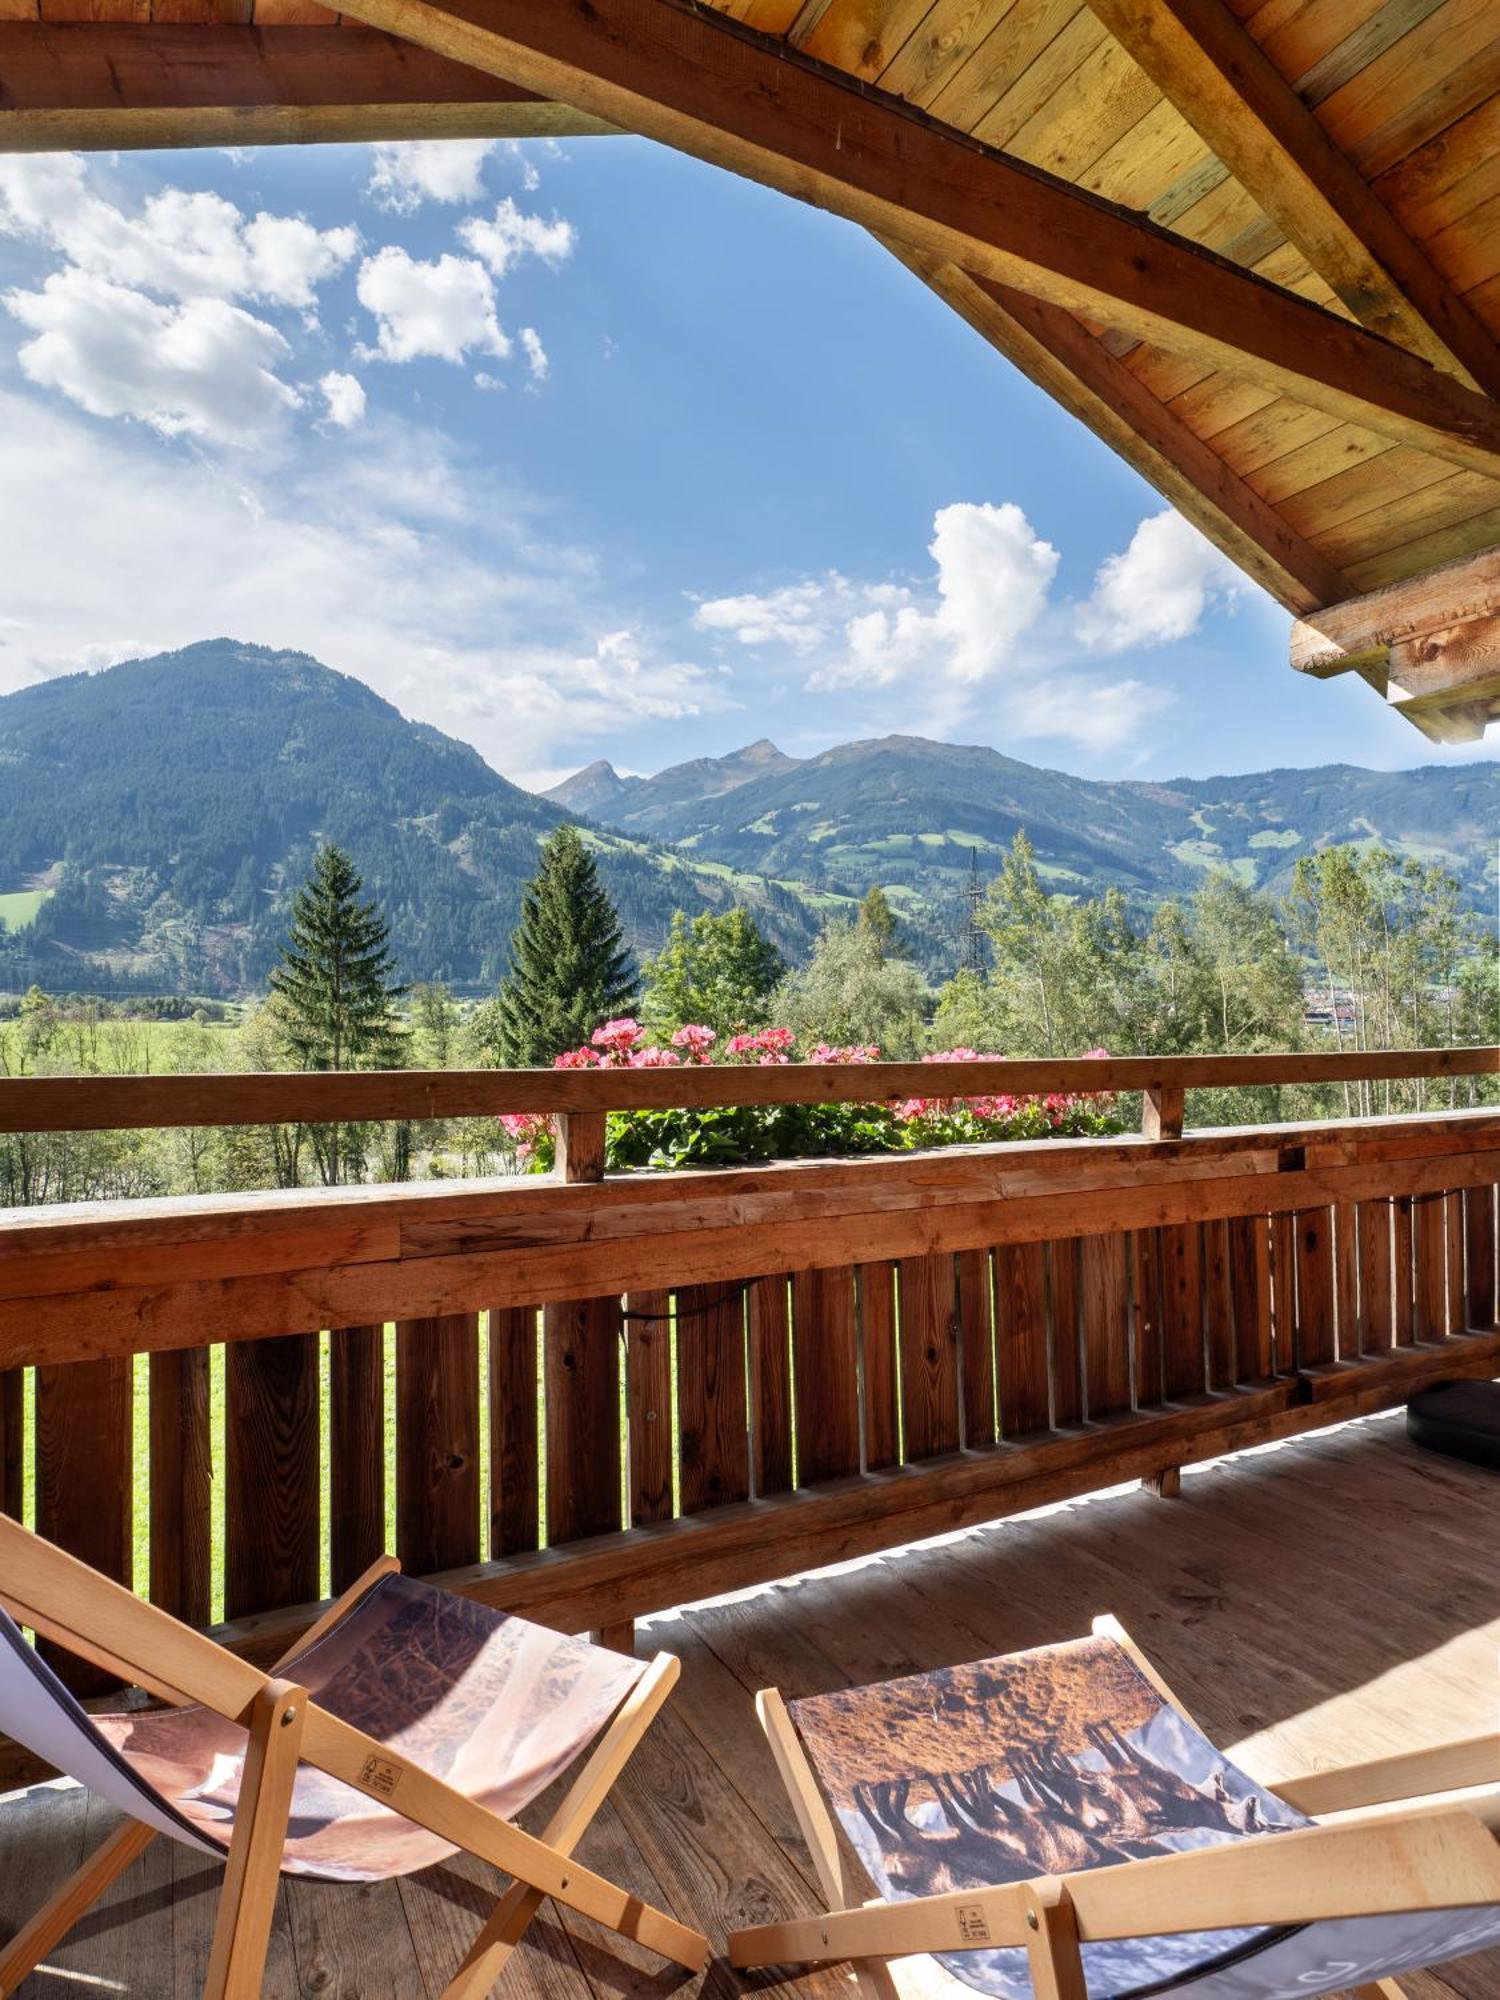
column 592, row 791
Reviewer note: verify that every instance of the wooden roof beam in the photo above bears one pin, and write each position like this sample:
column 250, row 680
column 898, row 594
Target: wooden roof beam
column 713, row 88
column 116, row 84
column 1430, row 645
column 1078, row 371
column 1244, row 110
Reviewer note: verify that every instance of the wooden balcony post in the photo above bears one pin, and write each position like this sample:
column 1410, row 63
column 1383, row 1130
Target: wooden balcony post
column 1161, row 1111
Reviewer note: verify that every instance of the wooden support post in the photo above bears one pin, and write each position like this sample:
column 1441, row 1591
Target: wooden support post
column 247, row 1900
column 580, row 1145
column 1052, row 1944
column 619, row 1638
column 1161, row 1111
column 1166, row 1484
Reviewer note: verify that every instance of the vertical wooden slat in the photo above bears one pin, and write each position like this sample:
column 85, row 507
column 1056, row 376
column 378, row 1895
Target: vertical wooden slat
column 1067, row 1346
column 1457, row 1317
column 713, row 1420
column 437, row 1442
column 13, row 1441
column 875, row 1295
column 1183, row 1371
column 83, row 1481
column 771, row 1385
column 1430, row 1267
column 1316, row 1339
column 1148, row 1314
column 1374, row 1330
column 1218, row 1305
column 1284, row 1292
column 515, row 1492
column 1021, row 1338
column 356, row 1451
column 648, row 1396
column 270, row 1473
column 181, row 1484
column 1346, row 1279
column 1106, row 1324
column 1479, row 1258
column 1402, row 1271
column 976, row 1340
column 582, row 1347
column 928, row 1309
column 826, row 1351
column 1250, row 1283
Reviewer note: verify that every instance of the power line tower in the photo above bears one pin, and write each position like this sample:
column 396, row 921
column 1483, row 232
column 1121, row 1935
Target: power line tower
column 971, row 953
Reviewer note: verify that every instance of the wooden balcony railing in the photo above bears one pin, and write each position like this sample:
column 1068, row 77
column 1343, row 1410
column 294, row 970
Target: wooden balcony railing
column 614, row 1394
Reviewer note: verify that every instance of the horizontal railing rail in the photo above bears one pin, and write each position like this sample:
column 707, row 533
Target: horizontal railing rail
column 117, row 1103
column 589, row 1396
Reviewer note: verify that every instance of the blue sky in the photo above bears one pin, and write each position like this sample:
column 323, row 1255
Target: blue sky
column 589, row 450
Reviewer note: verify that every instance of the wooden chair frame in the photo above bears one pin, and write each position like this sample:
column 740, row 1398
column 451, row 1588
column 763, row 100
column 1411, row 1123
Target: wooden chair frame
column 102, row 1622
column 1430, row 1854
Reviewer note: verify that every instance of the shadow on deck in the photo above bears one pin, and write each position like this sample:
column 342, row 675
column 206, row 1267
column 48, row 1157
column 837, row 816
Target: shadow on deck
column 1328, row 1599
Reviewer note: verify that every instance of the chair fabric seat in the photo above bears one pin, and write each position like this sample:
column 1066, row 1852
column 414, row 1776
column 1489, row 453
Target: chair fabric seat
column 495, row 1706
column 1461, row 1419
column 1068, row 1758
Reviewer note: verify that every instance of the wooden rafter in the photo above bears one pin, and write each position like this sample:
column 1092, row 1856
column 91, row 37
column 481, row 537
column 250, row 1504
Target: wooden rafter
column 89, row 84
column 714, row 89
column 1078, row 371
column 1245, row 111
column 1430, row 645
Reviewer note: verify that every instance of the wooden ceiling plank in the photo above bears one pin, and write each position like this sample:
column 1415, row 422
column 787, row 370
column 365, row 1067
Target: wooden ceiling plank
column 1390, row 565
column 1432, row 641
column 1253, row 120
column 696, row 82
column 89, row 84
column 1069, row 364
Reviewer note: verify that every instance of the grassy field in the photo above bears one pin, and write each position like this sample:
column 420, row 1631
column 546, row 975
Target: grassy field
column 18, row 907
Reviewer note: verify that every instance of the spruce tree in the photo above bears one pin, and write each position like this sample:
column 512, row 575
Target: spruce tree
column 334, row 980
column 570, row 969
column 335, row 996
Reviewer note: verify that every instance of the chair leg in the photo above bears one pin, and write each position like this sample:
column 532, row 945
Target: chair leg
column 242, row 1932
column 1052, row 1948
column 486, row 1958
column 1379, row 1989
column 57, row 1916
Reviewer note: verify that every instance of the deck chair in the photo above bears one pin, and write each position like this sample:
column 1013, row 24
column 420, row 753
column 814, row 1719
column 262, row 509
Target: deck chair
column 1054, row 1824
column 408, row 1725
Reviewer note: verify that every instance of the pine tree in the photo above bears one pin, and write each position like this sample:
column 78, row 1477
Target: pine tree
column 334, row 979
column 570, row 969
column 877, row 920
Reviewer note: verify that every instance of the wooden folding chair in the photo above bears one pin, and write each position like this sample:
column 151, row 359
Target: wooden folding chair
column 500, row 1706
column 1185, row 1875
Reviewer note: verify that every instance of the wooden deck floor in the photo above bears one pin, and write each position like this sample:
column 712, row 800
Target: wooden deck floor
column 1333, row 1598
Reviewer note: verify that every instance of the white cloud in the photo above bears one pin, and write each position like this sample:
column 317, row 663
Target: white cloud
column 203, row 368
column 992, row 583
column 981, row 644
column 536, row 354
column 461, row 616
column 441, row 309
column 406, row 172
column 345, row 397
column 183, row 245
column 1158, row 588
column 510, row 234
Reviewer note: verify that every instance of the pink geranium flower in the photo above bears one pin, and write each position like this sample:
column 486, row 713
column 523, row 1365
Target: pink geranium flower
column 696, row 1039
column 618, row 1037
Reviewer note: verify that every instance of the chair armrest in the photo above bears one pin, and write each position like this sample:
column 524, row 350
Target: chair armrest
column 1449, row 1767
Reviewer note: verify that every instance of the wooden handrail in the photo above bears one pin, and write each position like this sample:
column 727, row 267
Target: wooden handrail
column 114, row 1103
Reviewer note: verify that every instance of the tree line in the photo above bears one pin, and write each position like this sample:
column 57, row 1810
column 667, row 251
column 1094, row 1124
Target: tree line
column 1385, row 941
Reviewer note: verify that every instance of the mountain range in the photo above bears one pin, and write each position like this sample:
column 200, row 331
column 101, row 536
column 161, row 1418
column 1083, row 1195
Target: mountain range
column 155, row 817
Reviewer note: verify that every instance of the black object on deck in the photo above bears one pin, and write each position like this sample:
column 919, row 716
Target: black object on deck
column 1459, row 1418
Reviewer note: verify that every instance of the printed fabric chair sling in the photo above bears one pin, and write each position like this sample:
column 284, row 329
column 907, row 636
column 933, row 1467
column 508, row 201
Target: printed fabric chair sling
column 1053, row 1824
column 407, row 1726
